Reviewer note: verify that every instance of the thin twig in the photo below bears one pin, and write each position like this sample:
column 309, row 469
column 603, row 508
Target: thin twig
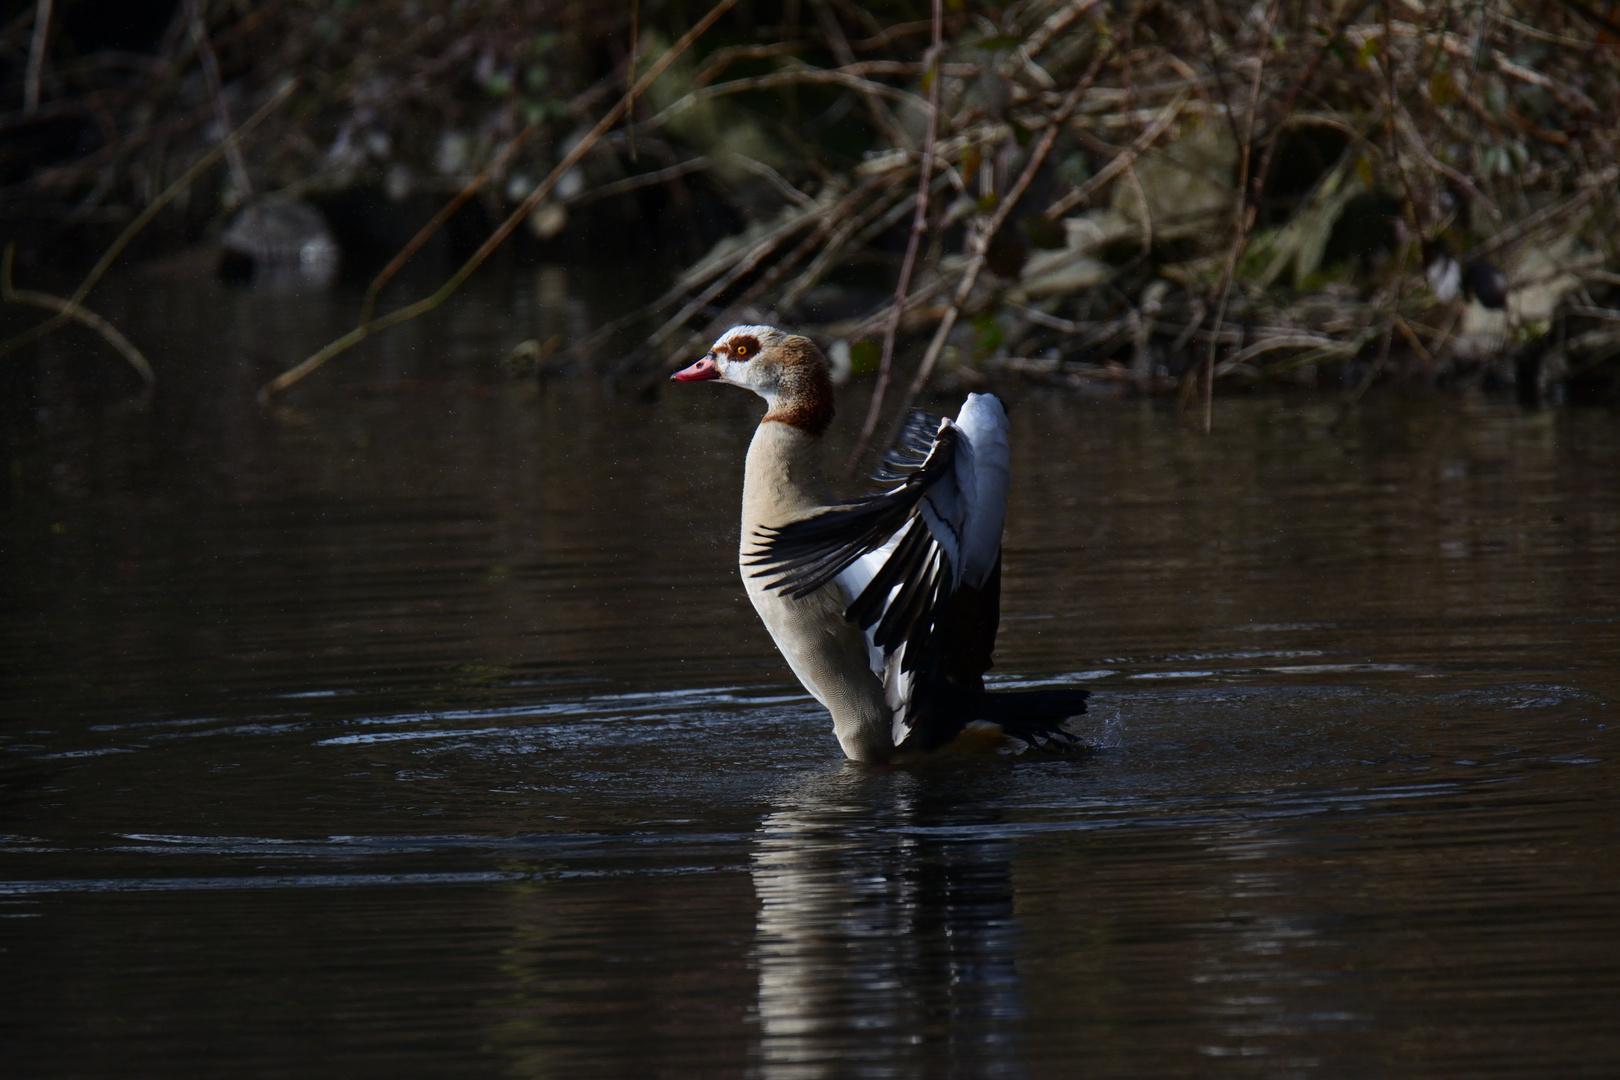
column 919, row 226
column 1244, row 211
column 1055, row 24
column 526, row 207
column 721, row 284
column 721, row 59
column 774, row 178
column 790, row 77
column 1512, row 235
column 36, row 56
column 1123, row 160
column 887, row 37
column 840, row 234
column 472, row 187
column 875, row 105
column 1263, row 173
column 640, row 180
column 78, row 313
column 1412, row 340
column 216, row 90
column 827, row 219
column 1147, row 211
column 1408, row 129
column 1383, row 349
column 630, row 74
column 1200, row 309
column 981, row 241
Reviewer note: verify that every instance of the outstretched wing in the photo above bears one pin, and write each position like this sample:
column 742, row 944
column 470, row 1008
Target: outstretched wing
column 808, row 553
column 920, row 562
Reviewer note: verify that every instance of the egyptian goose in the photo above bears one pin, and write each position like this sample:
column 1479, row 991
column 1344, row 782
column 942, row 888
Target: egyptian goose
column 885, row 607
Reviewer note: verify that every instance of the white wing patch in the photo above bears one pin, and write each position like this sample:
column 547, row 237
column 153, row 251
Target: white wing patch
column 984, row 422
column 896, row 683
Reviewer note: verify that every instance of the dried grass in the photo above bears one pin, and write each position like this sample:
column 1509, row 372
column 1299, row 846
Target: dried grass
column 1145, row 197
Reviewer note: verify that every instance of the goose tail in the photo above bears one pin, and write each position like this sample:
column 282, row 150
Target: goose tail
column 1035, row 717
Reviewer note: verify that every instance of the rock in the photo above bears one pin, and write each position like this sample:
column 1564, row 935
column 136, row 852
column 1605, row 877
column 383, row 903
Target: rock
column 279, row 241
column 547, row 220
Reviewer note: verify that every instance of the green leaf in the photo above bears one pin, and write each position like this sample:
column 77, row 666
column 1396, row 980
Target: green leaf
column 1042, row 231
column 1075, row 169
column 1442, row 90
column 864, row 358
column 987, row 334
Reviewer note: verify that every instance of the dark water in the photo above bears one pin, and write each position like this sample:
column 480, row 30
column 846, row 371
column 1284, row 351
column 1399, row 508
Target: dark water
column 419, row 727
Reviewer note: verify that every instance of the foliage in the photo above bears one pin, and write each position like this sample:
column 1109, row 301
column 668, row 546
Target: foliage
column 1236, row 192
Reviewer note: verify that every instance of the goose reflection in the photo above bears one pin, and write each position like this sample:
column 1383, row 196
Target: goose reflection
column 886, row 941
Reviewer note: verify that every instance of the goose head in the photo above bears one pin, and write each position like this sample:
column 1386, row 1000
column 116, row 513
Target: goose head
column 787, row 370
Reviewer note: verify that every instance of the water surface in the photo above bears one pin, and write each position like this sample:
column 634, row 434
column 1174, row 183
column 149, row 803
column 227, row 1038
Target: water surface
column 419, row 726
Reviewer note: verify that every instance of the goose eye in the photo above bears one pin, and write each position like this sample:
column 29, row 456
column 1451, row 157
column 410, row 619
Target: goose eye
column 741, row 350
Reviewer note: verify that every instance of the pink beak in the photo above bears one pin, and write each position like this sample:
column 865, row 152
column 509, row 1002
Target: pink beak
column 705, row 368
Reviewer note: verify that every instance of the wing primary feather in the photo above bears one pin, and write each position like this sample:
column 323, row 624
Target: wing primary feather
column 919, row 431
column 802, row 556
column 827, row 532
column 904, row 620
column 868, row 607
column 807, row 562
column 898, row 620
column 911, row 603
column 911, row 448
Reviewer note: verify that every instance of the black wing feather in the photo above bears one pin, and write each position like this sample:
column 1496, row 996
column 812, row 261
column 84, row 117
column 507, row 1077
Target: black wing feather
column 906, row 618
column 911, row 448
column 808, row 553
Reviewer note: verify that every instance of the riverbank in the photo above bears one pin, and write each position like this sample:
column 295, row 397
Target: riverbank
column 1117, row 201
